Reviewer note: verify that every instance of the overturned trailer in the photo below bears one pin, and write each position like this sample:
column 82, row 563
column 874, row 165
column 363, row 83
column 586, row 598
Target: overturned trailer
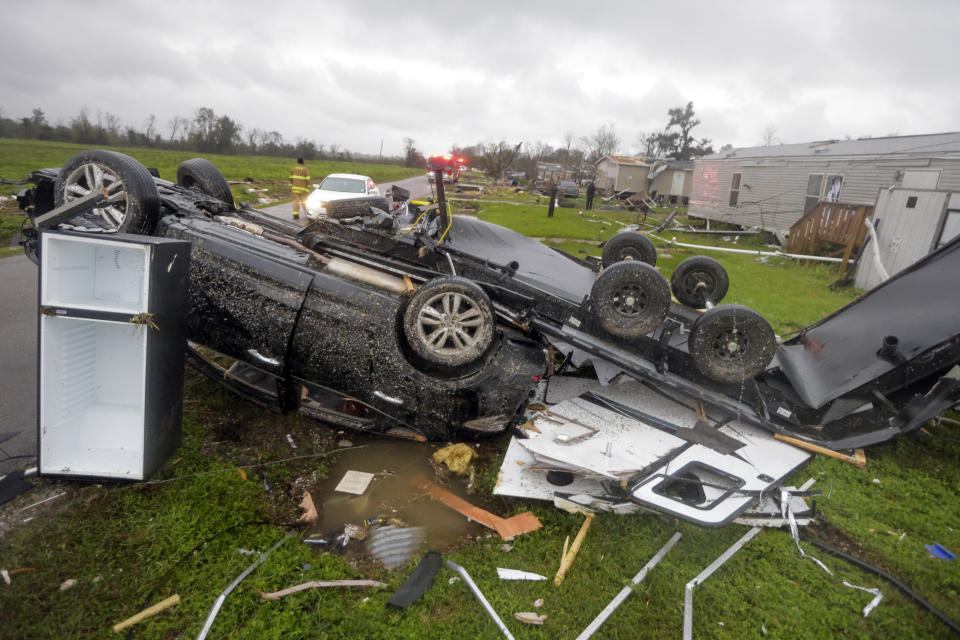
column 420, row 324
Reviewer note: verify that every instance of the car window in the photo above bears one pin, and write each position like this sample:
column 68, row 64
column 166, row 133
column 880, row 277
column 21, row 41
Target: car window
column 347, row 185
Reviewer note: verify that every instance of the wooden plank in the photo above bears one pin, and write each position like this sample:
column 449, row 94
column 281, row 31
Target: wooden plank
column 857, row 458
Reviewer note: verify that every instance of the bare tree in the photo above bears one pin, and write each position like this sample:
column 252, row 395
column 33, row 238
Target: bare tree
column 179, row 127
column 150, row 127
column 770, row 136
column 603, row 142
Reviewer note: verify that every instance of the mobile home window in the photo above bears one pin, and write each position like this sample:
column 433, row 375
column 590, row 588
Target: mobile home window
column 834, row 184
column 814, row 184
column 735, row 190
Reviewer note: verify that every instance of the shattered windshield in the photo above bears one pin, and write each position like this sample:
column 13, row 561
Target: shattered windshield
column 347, row 185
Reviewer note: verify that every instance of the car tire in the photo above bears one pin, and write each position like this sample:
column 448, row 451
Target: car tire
column 630, row 299
column 731, row 343
column 699, row 279
column 137, row 211
column 354, row 207
column 200, row 173
column 629, row 245
column 449, row 321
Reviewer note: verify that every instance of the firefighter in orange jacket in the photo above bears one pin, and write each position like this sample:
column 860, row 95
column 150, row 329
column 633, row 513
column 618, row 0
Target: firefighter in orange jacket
column 300, row 185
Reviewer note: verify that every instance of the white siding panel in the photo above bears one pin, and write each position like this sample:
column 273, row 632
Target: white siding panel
column 773, row 190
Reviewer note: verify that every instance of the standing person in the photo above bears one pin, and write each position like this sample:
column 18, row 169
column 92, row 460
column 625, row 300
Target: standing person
column 591, row 189
column 300, row 185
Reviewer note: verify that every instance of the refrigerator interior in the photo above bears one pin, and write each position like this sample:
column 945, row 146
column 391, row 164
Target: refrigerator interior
column 92, row 397
column 94, row 274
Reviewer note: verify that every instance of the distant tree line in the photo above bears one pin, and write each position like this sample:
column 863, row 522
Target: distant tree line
column 206, row 132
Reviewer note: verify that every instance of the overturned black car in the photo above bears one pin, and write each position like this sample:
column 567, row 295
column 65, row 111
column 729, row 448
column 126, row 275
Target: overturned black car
column 417, row 323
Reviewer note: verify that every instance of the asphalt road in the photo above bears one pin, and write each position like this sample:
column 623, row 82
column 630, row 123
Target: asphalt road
column 18, row 345
column 18, row 362
column 418, row 186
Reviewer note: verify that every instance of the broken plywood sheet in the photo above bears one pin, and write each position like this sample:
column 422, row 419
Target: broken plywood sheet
column 506, row 527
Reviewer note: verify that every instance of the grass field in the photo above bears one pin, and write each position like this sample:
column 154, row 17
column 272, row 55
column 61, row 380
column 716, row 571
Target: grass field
column 130, row 545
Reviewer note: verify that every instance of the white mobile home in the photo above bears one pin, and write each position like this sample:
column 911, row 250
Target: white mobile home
column 622, row 173
column 772, row 187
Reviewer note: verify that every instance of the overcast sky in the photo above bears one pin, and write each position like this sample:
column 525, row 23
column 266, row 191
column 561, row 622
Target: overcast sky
column 356, row 73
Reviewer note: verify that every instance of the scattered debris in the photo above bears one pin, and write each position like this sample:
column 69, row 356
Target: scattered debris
column 293, row 445
column 937, row 550
column 344, row 443
column 208, row 623
column 877, row 594
column 322, row 584
column 309, row 508
column 506, row 527
column 355, row 531
column 569, row 556
column 516, row 574
column 529, row 617
column 355, row 482
column 67, row 584
column 419, row 581
column 31, row 506
column 453, row 580
column 706, row 573
column 148, row 612
column 506, row 548
column 394, row 546
column 457, row 457
column 538, row 603
column 479, row 595
column 626, row 591
column 247, row 552
column 5, row 575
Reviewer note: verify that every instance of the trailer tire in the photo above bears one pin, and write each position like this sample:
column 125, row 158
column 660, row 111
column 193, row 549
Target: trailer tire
column 629, row 245
column 449, row 321
column 630, row 299
column 731, row 343
column 116, row 174
column 699, row 279
column 354, row 207
column 200, row 173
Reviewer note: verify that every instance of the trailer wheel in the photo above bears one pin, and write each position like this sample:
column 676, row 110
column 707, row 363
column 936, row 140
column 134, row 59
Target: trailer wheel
column 630, row 299
column 731, row 343
column 200, row 173
column 132, row 205
column 699, row 279
column 449, row 321
column 353, row 207
column 629, row 245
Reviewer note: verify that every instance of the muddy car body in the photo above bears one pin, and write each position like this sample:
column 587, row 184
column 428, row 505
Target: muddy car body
column 349, row 320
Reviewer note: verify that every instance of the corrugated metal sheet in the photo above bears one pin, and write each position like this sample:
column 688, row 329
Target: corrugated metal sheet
column 933, row 143
column 905, row 233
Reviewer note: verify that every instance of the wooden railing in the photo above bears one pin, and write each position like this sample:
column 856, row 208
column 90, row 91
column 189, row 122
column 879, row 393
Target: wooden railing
column 833, row 222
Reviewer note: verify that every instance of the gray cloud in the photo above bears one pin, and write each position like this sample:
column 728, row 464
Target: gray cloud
column 353, row 73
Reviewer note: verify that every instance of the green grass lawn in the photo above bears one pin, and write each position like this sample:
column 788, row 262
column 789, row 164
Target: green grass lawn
column 134, row 544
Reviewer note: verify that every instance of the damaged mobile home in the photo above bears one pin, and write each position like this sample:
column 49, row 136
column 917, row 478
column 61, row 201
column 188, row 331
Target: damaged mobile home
column 415, row 323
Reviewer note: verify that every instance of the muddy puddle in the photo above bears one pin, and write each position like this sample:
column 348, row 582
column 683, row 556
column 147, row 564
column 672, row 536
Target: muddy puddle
column 391, row 495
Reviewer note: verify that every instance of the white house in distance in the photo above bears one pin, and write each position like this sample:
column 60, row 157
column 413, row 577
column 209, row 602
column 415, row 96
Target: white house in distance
column 622, row 173
column 772, row 187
